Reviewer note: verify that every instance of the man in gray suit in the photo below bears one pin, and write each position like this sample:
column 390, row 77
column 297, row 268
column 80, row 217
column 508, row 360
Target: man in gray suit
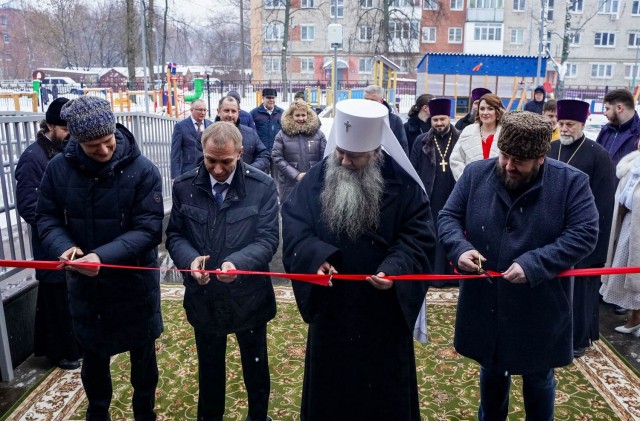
column 185, row 141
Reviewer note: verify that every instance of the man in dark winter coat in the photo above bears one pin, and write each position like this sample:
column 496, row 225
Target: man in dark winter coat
column 53, row 336
column 430, row 158
column 535, row 105
column 244, row 117
column 361, row 211
column 374, row 93
column 101, row 202
column 470, row 118
column 267, row 118
column 620, row 136
column 592, row 159
column 529, row 218
column 185, row 140
column 419, row 121
column 254, row 152
column 225, row 216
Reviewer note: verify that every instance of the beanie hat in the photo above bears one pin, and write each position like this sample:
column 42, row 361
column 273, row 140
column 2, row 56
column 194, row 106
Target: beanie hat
column 573, row 109
column 525, row 135
column 539, row 89
column 440, row 106
column 477, row 93
column 52, row 116
column 89, row 118
column 234, row 94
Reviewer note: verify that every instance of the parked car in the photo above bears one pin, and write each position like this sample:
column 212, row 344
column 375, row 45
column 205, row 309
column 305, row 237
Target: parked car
column 594, row 124
column 66, row 85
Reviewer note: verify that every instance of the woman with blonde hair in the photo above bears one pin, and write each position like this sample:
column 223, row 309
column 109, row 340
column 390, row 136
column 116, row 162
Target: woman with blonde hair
column 298, row 146
column 479, row 140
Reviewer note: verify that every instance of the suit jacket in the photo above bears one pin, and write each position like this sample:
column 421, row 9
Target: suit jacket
column 185, row 146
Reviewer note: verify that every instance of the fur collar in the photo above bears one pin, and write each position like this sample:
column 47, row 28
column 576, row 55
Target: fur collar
column 291, row 128
column 625, row 164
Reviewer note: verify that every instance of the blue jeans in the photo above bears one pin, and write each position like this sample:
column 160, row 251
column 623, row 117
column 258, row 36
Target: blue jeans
column 538, row 389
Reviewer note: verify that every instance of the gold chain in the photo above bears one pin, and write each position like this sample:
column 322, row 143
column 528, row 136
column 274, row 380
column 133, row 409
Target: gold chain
column 435, row 140
column 574, row 152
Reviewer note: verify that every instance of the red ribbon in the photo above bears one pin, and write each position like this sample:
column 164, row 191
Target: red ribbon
column 311, row 278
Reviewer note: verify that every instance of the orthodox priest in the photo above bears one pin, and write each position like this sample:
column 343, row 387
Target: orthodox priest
column 430, row 157
column 362, row 210
column 592, row 159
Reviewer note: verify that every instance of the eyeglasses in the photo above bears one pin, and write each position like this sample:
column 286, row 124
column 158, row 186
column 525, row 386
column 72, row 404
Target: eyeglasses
column 202, row 110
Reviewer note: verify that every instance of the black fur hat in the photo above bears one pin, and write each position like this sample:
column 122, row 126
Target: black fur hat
column 525, row 135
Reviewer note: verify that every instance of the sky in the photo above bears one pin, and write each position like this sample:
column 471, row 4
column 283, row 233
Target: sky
column 200, row 10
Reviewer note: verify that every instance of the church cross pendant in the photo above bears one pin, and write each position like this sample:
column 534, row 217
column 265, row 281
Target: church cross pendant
column 443, row 164
column 347, row 125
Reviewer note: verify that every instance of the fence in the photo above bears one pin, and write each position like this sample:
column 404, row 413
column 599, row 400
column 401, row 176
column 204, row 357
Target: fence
column 17, row 131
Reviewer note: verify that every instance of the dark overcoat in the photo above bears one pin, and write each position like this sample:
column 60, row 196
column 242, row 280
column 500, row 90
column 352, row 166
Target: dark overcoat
column 359, row 345
column 244, row 231
column 254, row 152
column 115, row 210
column 414, row 127
column 29, row 172
column 267, row 124
column 520, row 328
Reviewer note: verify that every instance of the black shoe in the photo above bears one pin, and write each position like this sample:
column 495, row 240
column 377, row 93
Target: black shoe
column 577, row 353
column 619, row 310
column 68, row 364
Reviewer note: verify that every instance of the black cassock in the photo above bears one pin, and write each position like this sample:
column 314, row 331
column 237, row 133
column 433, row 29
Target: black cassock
column 360, row 362
column 592, row 159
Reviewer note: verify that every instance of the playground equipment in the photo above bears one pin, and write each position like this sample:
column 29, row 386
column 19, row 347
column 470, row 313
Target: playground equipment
column 489, row 67
column 385, row 75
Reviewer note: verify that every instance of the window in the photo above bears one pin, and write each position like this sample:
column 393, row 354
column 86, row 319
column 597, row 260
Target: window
column 307, row 4
column 429, row 34
column 7, row 38
column 572, row 70
column 307, row 32
column 430, row 5
column 517, row 36
column 366, row 4
column 274, row 4
column 576, row 6
column 548, row 43
column 401, row 3
column 635, row 7
column 487, row 32
column 608, row 6
column 403, row 63
column 365, row 33
column 456, row 4
column 306, row 65
column 274, row 32
column 5, row 20
column 486, row 4
column 365, row 65
column 574, row 39
column 550, row 10
column 630, row 69
column 518, row 5
column 403, row 29
column 340, row 5
column 455, row 35
column 605, row 39
column 634, row 39
column 271, row 64
column 601, row 70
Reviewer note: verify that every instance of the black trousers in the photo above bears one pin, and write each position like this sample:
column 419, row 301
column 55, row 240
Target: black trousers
column 212, row 371
column 96, row 379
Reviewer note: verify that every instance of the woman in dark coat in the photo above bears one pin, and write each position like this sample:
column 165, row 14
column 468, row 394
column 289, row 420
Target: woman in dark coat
column 419, row 121
column 298, row 146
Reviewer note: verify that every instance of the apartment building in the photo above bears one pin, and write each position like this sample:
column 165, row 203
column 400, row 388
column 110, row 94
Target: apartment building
column 604, row 36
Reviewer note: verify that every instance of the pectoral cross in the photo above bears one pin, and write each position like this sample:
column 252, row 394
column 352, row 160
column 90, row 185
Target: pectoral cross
column 347, row 125
column 443, row 164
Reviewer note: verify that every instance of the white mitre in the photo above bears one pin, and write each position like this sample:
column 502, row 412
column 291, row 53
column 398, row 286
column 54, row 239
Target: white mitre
column 362, row 125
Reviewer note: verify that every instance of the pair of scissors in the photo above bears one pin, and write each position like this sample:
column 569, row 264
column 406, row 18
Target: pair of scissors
column 484, row 272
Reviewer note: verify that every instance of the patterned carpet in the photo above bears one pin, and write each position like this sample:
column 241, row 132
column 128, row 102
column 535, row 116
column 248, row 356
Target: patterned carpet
column 597, row 387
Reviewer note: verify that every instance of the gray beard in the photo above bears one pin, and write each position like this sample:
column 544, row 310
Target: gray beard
column 350, row 199
column 566, row 140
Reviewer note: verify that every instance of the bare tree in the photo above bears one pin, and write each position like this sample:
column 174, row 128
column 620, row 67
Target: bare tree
column 131, row 42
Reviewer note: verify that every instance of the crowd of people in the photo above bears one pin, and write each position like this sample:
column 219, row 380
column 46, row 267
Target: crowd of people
column 494, row 195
